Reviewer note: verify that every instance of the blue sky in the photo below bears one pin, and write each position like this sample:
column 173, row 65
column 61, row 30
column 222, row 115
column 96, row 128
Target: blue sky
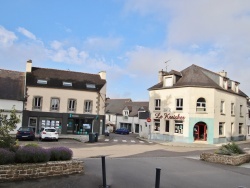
column 129, row 39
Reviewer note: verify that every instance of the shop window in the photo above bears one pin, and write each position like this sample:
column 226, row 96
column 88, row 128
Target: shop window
column 222, row 107
column 37, row 103
column 240, row 128
column 201, row 105
column 157, row 125
column 72, row 105
column 157, row 104
column 88, row 106
column 221, row 129
column 167, row 126
column 178, row 127
column 179, row 104
column 54, row 104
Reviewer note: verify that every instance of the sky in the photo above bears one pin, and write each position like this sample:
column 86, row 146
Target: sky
column 129, row 39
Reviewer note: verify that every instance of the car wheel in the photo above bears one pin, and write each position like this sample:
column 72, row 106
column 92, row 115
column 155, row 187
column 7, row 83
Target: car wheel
column 57, row 140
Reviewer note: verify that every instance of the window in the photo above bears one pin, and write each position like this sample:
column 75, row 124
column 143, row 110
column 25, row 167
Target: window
column 232, row 108
column 178, row 127
column 240, row 128
column 168, row 81
column 37, row 103
column 249, row 114
column 90, row 86
column 157, row 104
column 241, row 110
column 88, row 106
column 72, row 105
column 222, row 107
column 201, row 105
column 221, row 129
column 167, row 126
column 179, row 104
column 125, row 112
column 67, row 84
column 157, row 125
column 42, row 81
column 54, row 104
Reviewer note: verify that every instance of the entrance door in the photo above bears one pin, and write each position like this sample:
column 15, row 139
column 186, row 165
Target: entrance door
column 200, row 132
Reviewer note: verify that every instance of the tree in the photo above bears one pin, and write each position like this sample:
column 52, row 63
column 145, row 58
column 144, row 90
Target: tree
column 7, row 125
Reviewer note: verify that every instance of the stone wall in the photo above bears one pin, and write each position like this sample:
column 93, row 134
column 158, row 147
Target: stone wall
column 38, row 170
column 226, row 159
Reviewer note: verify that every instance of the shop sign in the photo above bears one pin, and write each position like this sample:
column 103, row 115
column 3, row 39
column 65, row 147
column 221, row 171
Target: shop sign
column 169, row 116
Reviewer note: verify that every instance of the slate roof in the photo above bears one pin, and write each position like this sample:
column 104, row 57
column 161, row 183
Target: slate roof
column 195, row 76
column 55, row 79
column 116, row 106
column 12, row 85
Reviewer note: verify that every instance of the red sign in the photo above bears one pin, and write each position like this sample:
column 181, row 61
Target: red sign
column 148, row 120
column 169, row 116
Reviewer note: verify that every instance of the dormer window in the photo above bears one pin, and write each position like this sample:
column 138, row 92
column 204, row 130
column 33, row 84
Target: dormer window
column 68, row 84
column 92, row 86
column 168, row 81
column 39, row 81
column 225, row 84
column 125, row 112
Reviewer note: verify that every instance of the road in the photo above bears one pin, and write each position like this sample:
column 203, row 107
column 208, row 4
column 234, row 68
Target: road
column 133, row 165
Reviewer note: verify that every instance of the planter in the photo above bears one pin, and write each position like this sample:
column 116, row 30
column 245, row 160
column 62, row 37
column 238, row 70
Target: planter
column 38, row 170
column 234, row 160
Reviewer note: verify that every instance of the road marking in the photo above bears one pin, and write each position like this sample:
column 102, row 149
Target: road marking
column 115, row 140
column 124, row 140
column 141, row 141
column 132, row 141
column 106, row 140
column 150, row 142
column 246, row 148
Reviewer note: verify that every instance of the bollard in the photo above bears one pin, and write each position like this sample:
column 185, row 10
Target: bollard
column 157, row 178
column 104, row 184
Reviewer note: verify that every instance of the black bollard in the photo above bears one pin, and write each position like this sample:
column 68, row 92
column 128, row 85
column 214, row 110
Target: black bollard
column 104, row 184
column 157, row 178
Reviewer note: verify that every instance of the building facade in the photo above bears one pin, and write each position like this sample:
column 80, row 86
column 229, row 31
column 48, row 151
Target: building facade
column 72, row 102
column 12, row 94
column 248, row 120
column 196, row 104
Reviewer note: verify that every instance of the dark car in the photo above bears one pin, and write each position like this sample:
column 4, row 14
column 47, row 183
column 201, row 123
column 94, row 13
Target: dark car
column 25, row 133
column 122, row 130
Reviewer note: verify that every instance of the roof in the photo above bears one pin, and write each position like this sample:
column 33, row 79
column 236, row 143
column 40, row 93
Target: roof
column 12, row 85
column 195, row 76
column 55, row 79
column 116, row 106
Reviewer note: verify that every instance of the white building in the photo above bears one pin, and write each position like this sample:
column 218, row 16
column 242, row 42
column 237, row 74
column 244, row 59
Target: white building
column 12, row 94
column 196, row 104
column 248, row 120
column 128, row 114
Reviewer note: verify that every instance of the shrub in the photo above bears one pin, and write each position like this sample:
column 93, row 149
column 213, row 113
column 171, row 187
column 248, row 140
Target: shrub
column 6, row 156
column 32, row 154
column 32, row 145
column 60, row 154
column 230, row 149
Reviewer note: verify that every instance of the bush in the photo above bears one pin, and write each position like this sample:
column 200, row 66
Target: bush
column 60, row 154
column 6, row 156
column 32, row 154
column 230, row 149
column 32, row 145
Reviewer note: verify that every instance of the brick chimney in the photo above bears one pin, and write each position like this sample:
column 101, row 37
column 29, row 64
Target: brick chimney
column 29, row 65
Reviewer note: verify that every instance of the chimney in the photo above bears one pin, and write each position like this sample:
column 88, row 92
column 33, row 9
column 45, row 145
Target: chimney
column 29, row 65
column 103, row 75
column 223, row 73
column 161, row 74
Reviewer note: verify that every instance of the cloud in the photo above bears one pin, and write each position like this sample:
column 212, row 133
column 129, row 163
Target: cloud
column 102, row 43
column 26, row 33
column 7, row 38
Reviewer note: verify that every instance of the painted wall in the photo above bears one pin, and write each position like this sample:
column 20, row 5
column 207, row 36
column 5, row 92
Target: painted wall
column 7, row 105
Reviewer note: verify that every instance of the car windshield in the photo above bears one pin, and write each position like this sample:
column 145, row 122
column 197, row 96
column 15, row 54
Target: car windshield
column 50, row 130
column 24, row 129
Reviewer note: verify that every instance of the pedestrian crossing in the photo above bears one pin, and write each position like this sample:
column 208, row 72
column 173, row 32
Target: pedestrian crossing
column 127, row 141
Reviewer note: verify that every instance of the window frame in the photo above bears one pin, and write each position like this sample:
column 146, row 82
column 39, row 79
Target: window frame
column 240, row 129
column 36, row 106
column 179, row 104
column 222, row 107
column 221, row 124
column 51, row 104
column 178, row 127
column 241, row 107
column 167, row 126
column 158, row 126
column 201, row 105
column 232, row 109
column 88, row 106
column 157, row 104
column 72, row 107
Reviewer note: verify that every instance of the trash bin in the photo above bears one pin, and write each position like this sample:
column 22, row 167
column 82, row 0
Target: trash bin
column 96, row 137
column 91, row 137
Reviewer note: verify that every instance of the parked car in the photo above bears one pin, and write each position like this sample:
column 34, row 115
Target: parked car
column 25, row 133
column 48, row 133
column 122, row 130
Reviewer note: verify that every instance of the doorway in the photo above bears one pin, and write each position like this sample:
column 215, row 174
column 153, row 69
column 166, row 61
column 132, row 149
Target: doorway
column 200, row 131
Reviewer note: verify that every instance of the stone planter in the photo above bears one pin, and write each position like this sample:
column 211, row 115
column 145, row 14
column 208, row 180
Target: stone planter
column 234, row 160
column 38, row 170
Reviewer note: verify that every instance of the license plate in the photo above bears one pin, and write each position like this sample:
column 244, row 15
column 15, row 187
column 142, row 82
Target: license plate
column 24, row 136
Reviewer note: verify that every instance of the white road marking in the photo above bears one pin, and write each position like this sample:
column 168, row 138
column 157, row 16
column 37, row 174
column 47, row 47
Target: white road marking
column 133, row 141
column 115, row 140
column 106, row 140
column 124, row 140
column 141, row 141
column 150, row 142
